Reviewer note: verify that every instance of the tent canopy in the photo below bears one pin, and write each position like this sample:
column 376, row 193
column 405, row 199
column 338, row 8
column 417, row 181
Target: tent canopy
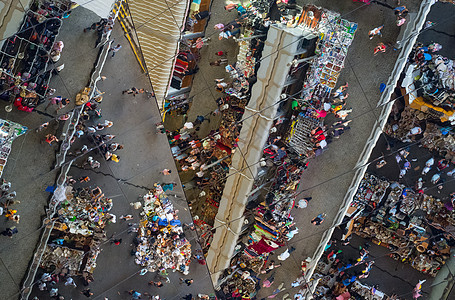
column 100, row 7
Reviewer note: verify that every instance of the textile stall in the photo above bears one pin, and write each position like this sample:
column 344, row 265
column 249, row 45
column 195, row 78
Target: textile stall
column 335, row 37
column 180, row 67
column 8, row 132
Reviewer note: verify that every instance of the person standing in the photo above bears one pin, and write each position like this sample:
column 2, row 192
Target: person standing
column 133, row 91
column 116, row 241
column 70, row 281
column 166, row 172
column 379, row 48
column 87, row 293
column 10, row 231
column 115, row 49
column 303, row 203
column 285, row 255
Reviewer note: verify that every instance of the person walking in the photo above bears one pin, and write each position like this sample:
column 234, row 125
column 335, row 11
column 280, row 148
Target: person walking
column 339, row 91
column 42, row 127
column 319, row 219
column 53, row 101
column 158, row 284
column 303, row 203
column 84, row 179
column 63, row 117
column 134, row 91
column 10, row 231
column 168, row 187
column 219, row 62
column 135, row 294
column 50, row 138
column 64, row 102
column 187, row 281
column 115, row 49
column 375, row 31
column 160, row 128
column 379, row 48
column 221, row 53
column 270, row 267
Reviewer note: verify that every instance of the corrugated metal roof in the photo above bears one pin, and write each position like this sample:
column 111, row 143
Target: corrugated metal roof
column 158, row 25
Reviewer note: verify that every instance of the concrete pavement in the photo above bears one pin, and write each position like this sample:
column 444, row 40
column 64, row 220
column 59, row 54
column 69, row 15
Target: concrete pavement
column 146, row 153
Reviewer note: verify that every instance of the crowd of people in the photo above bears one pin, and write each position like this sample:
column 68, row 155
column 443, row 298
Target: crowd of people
column 7, row 198
column 209, row 157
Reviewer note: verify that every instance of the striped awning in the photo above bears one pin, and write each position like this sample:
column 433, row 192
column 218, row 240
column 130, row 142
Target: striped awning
column 159, row 25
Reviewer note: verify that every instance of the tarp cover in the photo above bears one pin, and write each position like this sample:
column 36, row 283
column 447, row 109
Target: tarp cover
column 100, row 7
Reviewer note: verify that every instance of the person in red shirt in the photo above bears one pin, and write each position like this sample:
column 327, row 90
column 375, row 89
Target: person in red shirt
column 50, row 138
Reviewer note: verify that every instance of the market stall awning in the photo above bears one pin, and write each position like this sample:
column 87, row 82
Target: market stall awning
column 100, row 7
column 11, row 12
column 158, row 26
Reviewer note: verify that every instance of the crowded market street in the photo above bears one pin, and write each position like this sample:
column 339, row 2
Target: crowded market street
column 139, row 211
column 328, row 176
column 123, row 182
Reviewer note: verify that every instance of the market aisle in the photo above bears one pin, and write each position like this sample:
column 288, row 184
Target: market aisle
column 144, row 155
column 328, row 176
column 30, row 162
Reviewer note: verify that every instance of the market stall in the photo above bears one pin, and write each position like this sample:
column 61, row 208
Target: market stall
column 8, row 132
column 335, row 35
column 25, row 57
column 161, row 243
column 415, row 227
column 370, row 193
column 76, row 236
column 435, row 136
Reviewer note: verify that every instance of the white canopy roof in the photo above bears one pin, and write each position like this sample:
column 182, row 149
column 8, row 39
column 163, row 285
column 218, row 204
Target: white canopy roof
column 100, row 7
